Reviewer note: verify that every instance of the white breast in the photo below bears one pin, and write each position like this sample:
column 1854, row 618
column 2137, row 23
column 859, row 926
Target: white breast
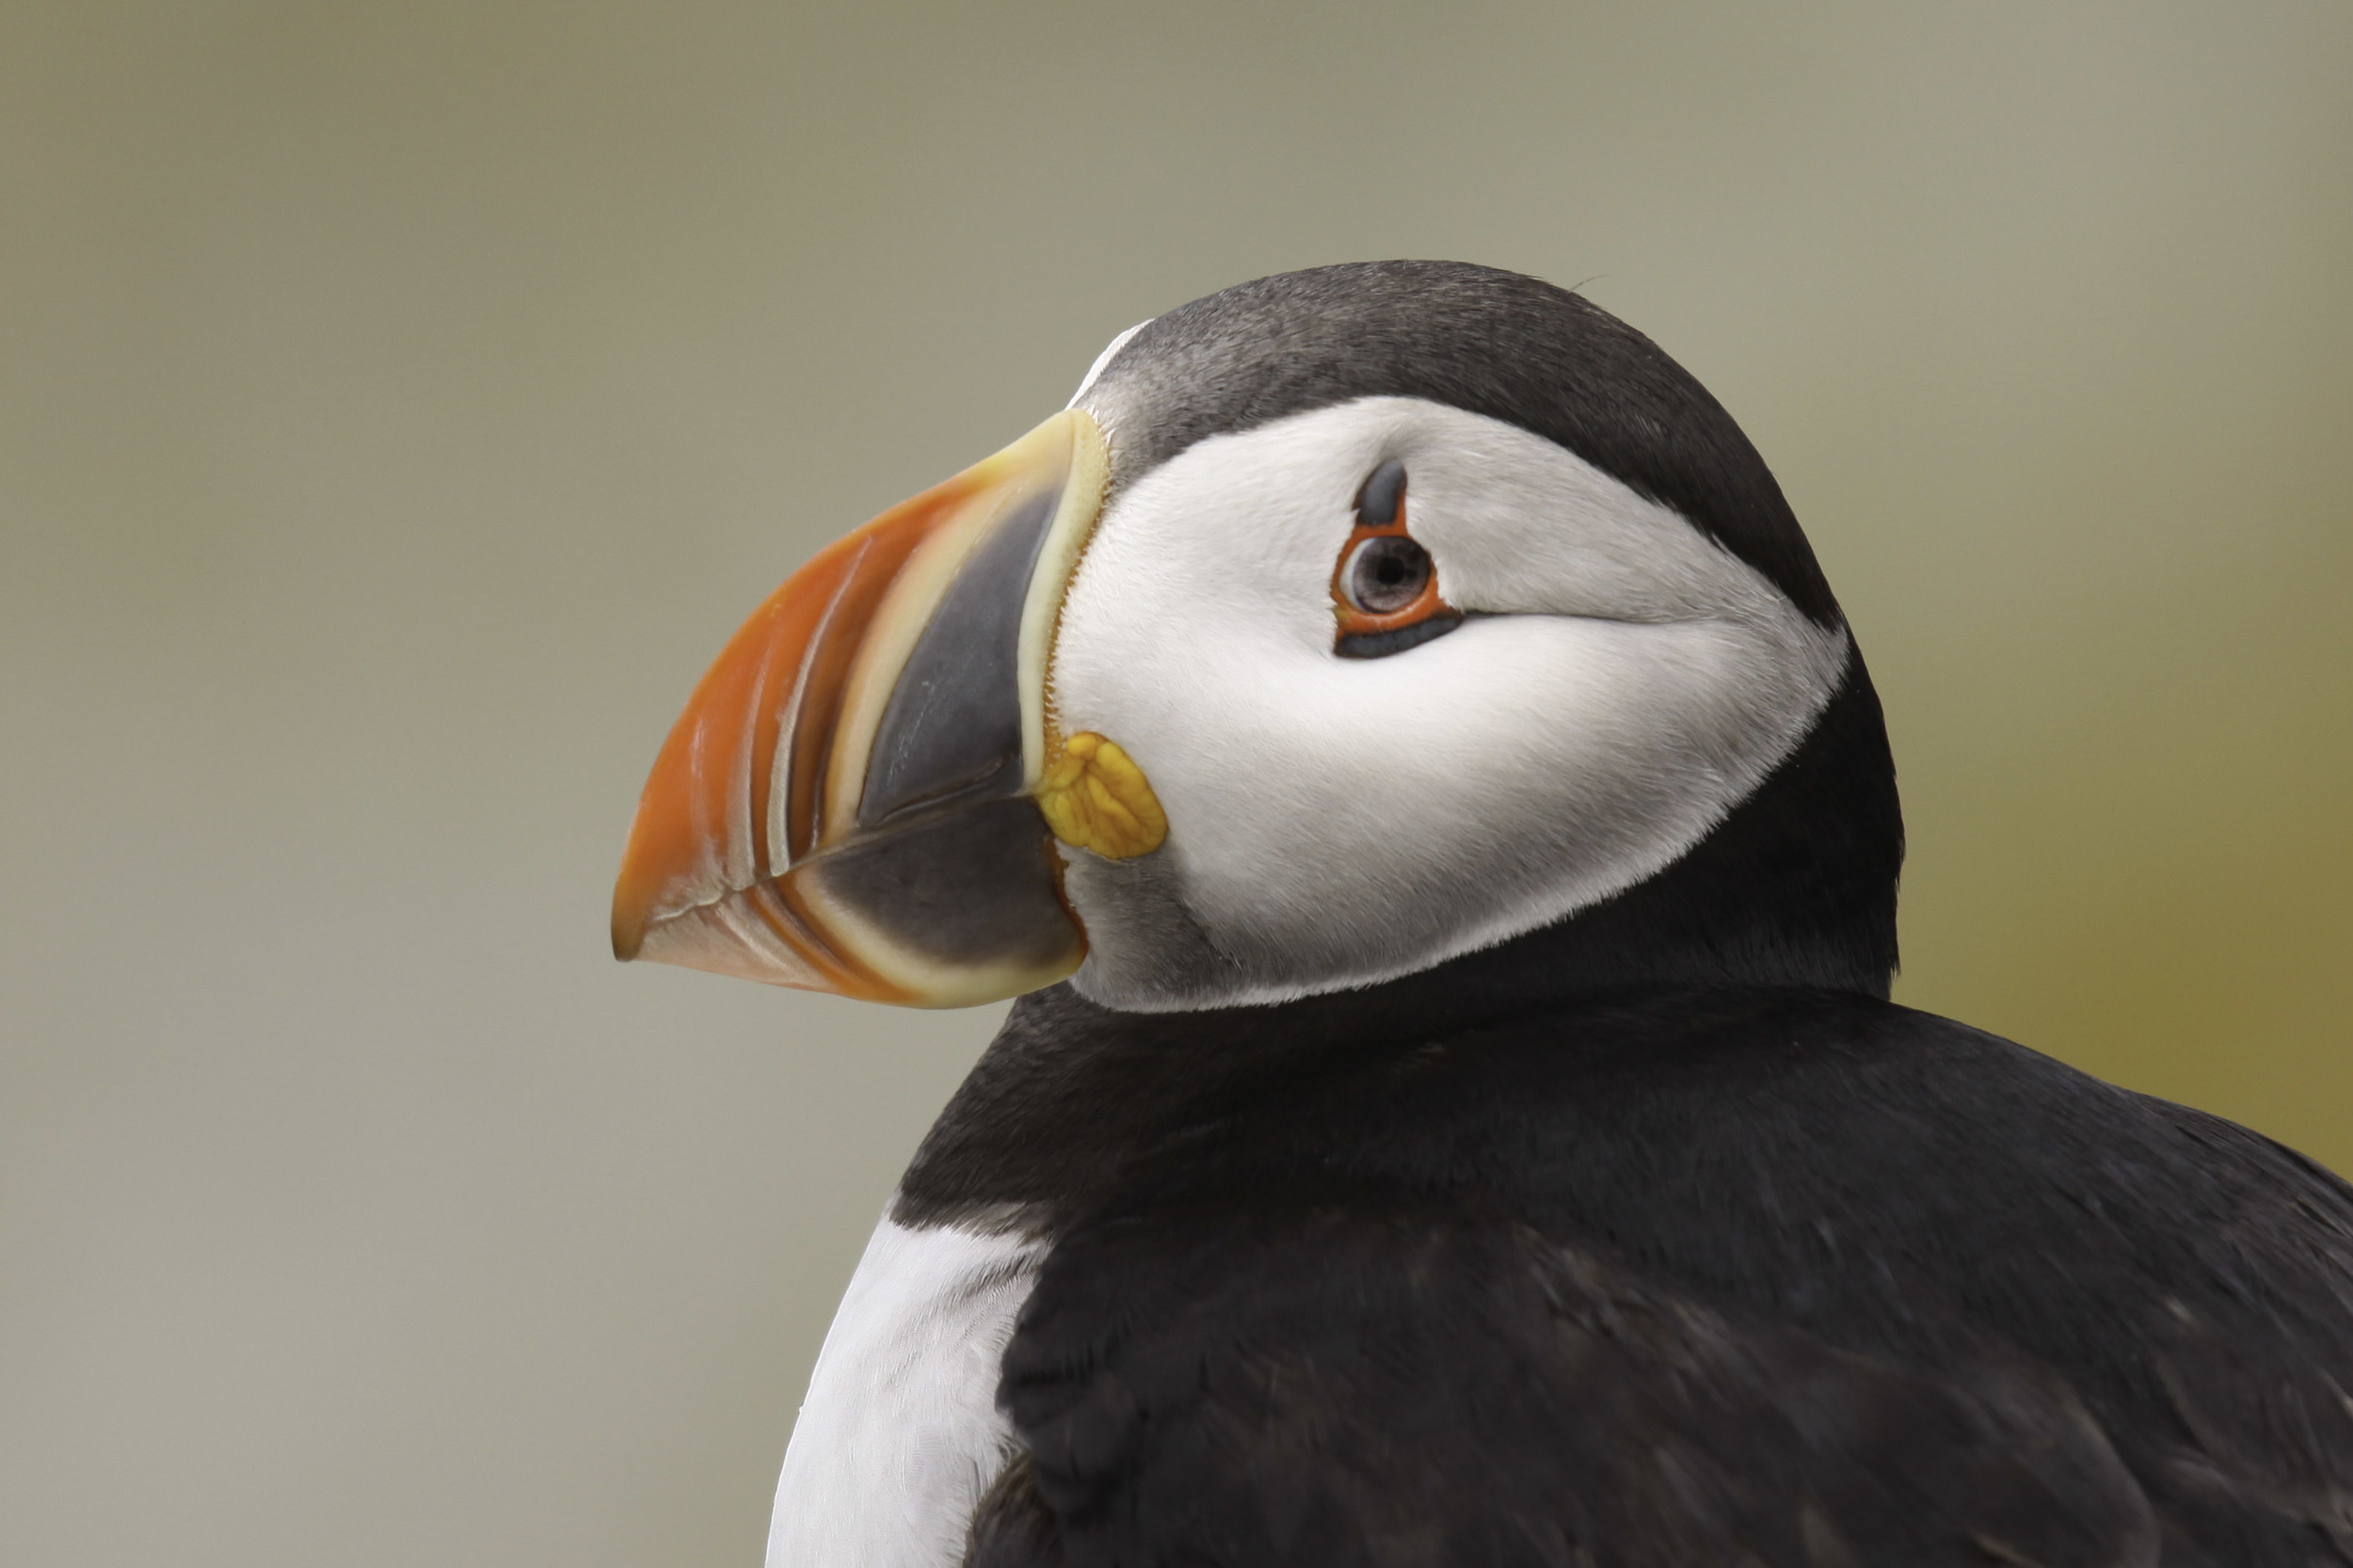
column 900, row 1434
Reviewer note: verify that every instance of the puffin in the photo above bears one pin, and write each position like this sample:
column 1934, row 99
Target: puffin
column 1394, row 740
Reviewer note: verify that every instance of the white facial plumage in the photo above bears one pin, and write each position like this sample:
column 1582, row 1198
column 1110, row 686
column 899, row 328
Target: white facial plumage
column 1622, row 682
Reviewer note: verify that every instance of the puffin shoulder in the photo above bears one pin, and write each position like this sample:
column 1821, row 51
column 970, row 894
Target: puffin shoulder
column 1676, row 1276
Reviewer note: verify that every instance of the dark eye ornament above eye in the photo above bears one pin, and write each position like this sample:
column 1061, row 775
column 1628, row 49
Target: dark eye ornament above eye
column 1385, row 589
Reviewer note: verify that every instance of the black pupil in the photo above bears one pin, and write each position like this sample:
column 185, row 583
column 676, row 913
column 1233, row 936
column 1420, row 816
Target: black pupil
column 1389, row 574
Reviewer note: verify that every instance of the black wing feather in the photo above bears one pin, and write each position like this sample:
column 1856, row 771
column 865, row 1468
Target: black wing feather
column 1331, row 1387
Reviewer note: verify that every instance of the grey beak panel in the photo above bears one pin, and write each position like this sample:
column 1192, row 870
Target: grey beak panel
column 951, row 732
column 972, row 888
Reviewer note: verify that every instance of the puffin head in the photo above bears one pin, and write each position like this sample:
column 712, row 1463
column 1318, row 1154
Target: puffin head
column 1351, row 624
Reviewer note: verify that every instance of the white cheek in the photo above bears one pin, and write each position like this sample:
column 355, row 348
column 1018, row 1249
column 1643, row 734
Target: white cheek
column 1202, row 598
column 1335, row 822
column 1329, row 815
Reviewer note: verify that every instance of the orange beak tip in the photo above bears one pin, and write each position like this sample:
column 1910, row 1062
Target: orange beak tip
column 629, row 937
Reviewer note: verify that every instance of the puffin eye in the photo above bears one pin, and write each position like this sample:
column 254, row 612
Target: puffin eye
column 1384, row 588
column 1384, row 574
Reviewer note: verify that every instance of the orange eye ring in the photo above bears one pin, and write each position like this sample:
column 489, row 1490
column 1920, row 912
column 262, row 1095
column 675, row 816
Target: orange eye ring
column 1384, row 585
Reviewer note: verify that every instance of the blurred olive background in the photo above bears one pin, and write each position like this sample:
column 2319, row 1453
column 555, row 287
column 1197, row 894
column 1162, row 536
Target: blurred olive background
column 399, row 405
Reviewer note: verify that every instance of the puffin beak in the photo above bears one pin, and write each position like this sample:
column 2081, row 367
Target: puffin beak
column 857, row 797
